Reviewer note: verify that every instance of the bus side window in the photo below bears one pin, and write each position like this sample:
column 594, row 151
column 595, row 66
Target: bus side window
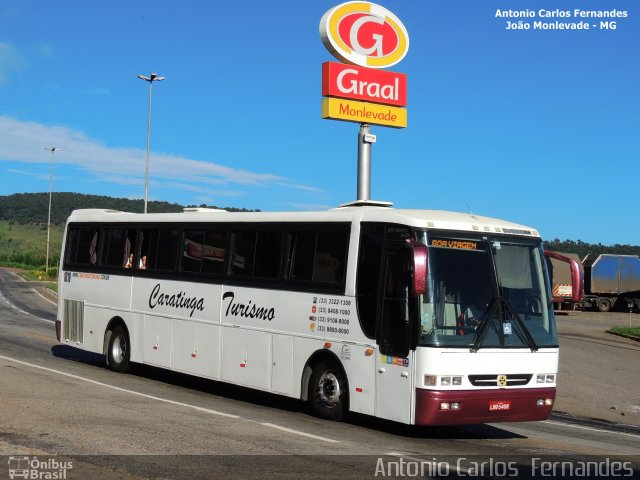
column 148, row 249
column 244, row 249
column 330, row 261
column 114, row 252
column 303, row 253
column 268, row 254
column 319, row 256
column 168, row 248
column 213, row 251
column 82, row 247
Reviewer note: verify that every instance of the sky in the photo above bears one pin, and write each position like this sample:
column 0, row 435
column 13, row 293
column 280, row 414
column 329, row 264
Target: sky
column 533, row 126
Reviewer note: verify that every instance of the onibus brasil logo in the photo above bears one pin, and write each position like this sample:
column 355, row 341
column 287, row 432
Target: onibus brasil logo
column 34, row 468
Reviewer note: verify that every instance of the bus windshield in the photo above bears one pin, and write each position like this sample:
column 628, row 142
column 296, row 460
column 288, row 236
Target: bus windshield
column 485, row 292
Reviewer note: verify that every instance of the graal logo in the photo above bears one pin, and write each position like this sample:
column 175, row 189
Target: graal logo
column 27, row 467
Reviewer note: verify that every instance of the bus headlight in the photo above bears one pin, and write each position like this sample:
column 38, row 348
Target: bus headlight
column 446, row 381
column 545, row 378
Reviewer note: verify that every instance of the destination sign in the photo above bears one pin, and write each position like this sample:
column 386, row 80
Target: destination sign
column 450, row 243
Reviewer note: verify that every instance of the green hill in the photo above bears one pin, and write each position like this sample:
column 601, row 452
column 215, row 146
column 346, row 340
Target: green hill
column 32, row 208
column 23, row 222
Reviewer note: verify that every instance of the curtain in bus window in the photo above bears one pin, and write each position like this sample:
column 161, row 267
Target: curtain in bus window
column 213, row 251
column 93, row 248
column 192, row 251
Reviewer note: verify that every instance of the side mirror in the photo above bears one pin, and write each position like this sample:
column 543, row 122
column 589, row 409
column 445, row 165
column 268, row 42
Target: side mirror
column 419, row 254
column 577, row 274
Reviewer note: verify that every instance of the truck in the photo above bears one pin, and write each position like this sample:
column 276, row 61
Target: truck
column 611, row 282
column 566, row 271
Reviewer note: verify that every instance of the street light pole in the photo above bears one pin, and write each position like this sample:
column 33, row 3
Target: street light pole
column 151, row 78
column 52, row 150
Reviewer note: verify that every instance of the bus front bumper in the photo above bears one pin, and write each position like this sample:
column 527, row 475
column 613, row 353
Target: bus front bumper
column 458, row 407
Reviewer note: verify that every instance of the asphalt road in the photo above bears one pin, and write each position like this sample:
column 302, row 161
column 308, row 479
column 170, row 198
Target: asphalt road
column 59, row 404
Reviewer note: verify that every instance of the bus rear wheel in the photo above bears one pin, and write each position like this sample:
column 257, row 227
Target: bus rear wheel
column 328, row 392
column 118, row 350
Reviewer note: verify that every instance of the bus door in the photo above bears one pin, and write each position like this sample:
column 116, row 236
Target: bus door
column 395, row 359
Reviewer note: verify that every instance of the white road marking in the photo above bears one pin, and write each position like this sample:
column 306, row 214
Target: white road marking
column 119, row 389
column 164, row 400
column 19, row 310
column 599, row 430
column 303, row 434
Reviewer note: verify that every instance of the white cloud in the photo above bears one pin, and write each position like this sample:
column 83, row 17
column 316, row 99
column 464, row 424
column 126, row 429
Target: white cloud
column 24, row 141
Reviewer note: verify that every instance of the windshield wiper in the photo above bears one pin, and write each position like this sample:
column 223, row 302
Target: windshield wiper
column 531, row 343
column 483, row 328
column 505, row 309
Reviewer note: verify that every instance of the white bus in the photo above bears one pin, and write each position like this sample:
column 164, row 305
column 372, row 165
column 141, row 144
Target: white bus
column 421, row 317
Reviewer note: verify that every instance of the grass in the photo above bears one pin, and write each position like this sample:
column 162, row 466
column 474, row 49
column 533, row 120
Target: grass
column 633, row 332
column 30, row 237
column 27, row 244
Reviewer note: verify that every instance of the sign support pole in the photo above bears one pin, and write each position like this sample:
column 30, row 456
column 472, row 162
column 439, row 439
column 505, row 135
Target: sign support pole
column 364, row 162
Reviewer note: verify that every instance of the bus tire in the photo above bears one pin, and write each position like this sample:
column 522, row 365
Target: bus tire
column 118, row 351
column 328, row 392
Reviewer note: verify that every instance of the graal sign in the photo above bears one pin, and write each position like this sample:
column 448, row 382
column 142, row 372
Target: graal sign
column 358, row 83
column 366, row 38
column 365, row 34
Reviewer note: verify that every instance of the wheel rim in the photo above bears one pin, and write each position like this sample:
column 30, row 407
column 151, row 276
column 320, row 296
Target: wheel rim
column 119, row 349
column 329, row 390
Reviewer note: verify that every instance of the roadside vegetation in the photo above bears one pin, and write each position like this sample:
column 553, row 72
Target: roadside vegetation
column 633, row 332
column 34, row 275
column 23, row 226
column 583, row 248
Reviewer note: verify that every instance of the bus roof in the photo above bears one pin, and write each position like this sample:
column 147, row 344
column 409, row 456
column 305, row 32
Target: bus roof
column 432, row 219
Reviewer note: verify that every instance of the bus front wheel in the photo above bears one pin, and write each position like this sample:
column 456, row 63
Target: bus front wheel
column 328, row 392
column 118, row 350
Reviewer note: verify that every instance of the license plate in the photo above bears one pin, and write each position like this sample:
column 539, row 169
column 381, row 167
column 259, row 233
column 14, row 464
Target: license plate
column 499, row 405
